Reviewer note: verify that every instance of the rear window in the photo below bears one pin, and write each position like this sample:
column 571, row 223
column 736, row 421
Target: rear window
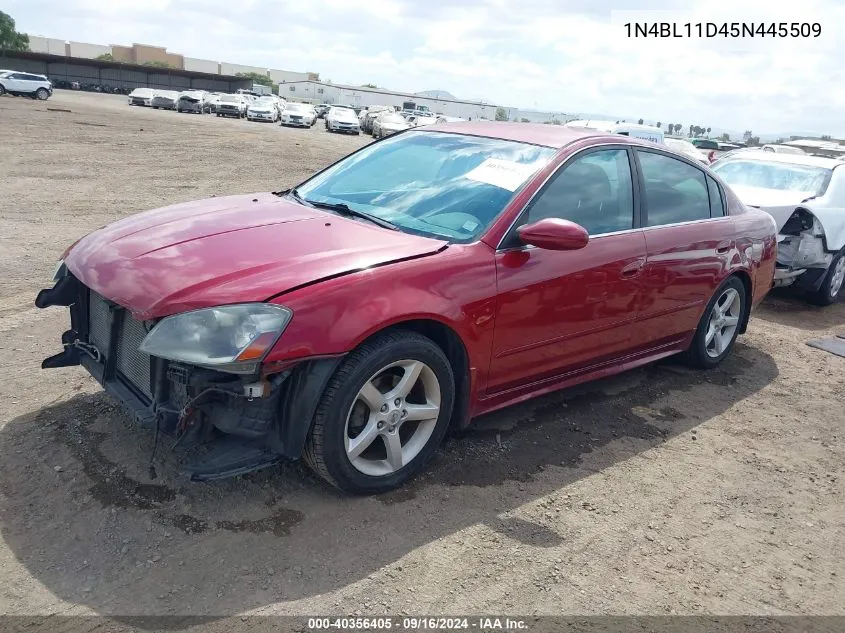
column 702, row 143
column 763, row 174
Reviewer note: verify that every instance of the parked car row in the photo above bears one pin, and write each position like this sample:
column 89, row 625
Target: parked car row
column 241, row 105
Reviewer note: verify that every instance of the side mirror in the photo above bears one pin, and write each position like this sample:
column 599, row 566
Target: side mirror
column 554, row 234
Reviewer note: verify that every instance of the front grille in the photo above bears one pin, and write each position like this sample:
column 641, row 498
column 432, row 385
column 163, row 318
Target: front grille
column 131, row 364
column 98, row 322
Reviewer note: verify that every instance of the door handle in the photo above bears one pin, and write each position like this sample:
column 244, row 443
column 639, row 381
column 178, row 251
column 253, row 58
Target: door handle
column 633, row 269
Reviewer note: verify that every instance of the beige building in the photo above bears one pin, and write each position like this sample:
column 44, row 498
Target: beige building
column 144, row 54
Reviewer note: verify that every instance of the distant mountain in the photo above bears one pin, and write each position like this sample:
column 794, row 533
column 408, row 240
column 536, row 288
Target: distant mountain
column 436, row 94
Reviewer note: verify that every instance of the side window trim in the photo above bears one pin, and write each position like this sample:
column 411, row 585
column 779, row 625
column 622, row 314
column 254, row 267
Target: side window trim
column 508, row 242
column 716, row 184
column 683, row 159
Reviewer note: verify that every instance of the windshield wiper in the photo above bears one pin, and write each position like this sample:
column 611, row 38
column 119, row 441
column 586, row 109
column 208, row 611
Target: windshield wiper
column 344, row 209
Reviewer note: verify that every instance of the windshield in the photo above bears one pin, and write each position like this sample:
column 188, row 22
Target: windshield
column 297, row 107
column 429, row 183
column 392, row 118
column 781, row 176
column 230, row 99
column 264, row 101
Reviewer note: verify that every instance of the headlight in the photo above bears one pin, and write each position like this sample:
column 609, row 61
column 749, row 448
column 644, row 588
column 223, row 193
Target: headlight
column 232, row 338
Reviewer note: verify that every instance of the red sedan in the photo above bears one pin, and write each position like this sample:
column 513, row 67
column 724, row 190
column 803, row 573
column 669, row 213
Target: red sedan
column 436, row 275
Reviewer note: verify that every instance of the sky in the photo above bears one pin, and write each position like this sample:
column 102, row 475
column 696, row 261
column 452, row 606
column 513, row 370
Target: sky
column 566, row 56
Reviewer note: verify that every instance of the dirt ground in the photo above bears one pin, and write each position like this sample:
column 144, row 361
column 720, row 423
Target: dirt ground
column 661, row 491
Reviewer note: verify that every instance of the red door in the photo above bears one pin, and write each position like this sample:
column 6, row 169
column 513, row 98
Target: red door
column 561, row 311
column 690, row 243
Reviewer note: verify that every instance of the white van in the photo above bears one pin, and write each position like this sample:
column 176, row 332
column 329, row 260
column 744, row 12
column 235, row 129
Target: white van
column 644, row 132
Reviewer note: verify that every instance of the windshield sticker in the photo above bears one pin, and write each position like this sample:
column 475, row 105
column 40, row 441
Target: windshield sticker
column 504, row 174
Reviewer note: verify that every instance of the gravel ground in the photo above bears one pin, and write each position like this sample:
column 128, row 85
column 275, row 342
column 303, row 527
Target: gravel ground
column 661, row 491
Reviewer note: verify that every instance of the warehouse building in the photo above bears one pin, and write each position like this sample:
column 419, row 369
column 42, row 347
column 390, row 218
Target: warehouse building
column 109, row 74
column 321, row 92
column 158, row 56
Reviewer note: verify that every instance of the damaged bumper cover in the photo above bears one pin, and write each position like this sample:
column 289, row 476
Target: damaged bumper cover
column 802, row 256
column 233, row 423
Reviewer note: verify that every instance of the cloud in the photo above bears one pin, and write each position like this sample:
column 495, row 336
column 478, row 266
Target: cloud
column 559, row 55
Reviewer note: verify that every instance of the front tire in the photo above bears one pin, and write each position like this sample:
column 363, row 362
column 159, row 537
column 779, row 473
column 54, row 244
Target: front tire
column 383, row 414
column 719, row 326
column 831, row 287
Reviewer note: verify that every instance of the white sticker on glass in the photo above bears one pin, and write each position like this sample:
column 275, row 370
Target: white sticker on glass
column 504, row 174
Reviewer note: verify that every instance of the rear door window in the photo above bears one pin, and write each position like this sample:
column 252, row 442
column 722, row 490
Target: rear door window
column 675, row 191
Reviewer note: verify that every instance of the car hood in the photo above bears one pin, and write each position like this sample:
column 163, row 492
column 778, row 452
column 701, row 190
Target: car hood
column 229, row 250
column 778, row 203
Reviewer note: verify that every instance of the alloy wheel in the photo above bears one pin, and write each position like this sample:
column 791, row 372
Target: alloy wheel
column 724, row 321
column 392, row 418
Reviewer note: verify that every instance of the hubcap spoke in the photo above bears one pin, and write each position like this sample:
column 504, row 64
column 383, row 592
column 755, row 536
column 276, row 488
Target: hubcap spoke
column 394, row 450
column 719, row 339
column 371, row 396
column 730, row 321
column 711, row 332
column 362, row 441
column 418, row 412
column 409, row 379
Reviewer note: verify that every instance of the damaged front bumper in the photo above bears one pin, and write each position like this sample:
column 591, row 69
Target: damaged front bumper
column 232, row 424
column 801, row 259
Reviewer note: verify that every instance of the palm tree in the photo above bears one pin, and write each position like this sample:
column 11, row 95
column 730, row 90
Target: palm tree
column 659, row 124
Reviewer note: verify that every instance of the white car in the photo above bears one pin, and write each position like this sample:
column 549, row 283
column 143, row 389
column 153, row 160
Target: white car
column 231, row 105
column 389, row 123
column 25, row 85
column 263, row 109
column 685, row 148
column 782, row 149
column 340, row 119
column 298, row 115
column 141, row 97
column 192, row 101
column 416, row 120
column 165, row 99
column 806, row 197
column 371, row 113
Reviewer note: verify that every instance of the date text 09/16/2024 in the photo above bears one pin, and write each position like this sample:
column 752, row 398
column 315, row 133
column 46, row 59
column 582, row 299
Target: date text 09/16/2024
column 723, row 29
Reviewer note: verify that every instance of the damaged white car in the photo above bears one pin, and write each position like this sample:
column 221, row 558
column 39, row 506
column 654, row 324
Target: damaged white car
column 806, row 197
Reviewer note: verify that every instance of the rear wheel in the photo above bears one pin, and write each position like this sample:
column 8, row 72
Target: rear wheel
column 2, row 90
column 719, row 326
column 383, row 414
column 834, row 280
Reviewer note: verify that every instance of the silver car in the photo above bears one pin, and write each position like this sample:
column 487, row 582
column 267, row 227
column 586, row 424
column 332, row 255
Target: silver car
column 389, row 123
column 806, row 197
column 165, row 100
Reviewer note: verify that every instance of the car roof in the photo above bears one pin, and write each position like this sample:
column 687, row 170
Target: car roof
column 790, row 159
column 554, row 136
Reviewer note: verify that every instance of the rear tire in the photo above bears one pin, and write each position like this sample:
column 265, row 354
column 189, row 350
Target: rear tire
column 372, row 398
column 2, row 91
column 834, row 280
column 719, row 326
